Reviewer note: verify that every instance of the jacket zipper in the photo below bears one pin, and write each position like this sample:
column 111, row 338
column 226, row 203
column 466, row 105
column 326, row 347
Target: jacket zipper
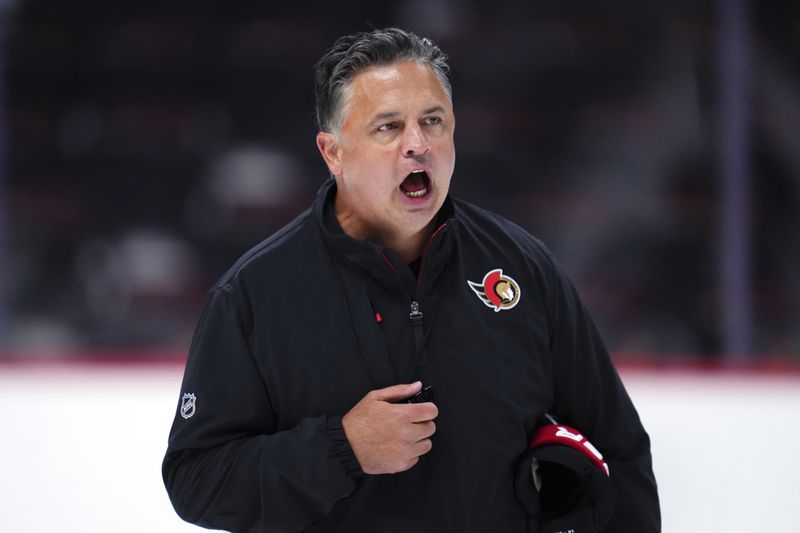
column 416, row 316
column 425, row 253
column 419, row 338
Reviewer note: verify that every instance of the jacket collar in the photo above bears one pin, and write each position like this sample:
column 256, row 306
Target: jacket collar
column 379, row 262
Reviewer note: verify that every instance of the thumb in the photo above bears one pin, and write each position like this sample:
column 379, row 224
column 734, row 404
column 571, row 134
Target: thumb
column 397, row 392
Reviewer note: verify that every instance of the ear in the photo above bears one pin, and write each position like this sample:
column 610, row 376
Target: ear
column 331, row 152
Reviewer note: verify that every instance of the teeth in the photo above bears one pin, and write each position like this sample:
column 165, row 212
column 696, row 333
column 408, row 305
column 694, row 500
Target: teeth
column 416, row 194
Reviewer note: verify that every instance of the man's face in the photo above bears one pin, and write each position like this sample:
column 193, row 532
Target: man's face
column 394, row 154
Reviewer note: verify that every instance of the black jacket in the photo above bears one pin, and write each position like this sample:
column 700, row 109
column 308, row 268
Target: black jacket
column 310, row 320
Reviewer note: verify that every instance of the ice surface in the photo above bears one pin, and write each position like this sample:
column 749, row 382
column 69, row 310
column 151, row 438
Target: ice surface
column 81, row 448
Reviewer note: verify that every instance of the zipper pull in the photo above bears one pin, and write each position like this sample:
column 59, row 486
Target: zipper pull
column 415, row 314
column 419, row 335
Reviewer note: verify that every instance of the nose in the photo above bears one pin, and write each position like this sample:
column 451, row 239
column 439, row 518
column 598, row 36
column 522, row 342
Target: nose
column 414, row 142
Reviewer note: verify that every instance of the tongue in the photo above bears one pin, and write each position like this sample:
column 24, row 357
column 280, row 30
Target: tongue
column 413, row 183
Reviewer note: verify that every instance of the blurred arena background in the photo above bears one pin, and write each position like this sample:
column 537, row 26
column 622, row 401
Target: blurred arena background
column 654, row 146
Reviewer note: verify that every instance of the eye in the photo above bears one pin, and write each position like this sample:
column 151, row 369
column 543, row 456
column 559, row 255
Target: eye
column 386, row 127
column 432, row 121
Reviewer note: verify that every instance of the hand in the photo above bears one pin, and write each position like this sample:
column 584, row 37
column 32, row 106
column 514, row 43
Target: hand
column 389, row 437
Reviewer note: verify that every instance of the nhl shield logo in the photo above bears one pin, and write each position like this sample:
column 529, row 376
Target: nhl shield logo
column 188, row 405
column 498, row 291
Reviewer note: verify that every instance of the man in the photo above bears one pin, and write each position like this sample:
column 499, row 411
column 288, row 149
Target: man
column 302, row 405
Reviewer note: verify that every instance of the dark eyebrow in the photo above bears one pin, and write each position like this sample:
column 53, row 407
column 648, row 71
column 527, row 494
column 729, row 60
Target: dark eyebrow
column 380, row 117
column 434, row 109
column 393, row 115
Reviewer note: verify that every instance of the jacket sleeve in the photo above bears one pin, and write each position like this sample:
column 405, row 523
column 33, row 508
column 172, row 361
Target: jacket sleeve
column 226, row 466
column 590, row 396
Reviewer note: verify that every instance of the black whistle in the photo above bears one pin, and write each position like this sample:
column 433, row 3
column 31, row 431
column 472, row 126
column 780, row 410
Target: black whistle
column 425, row 395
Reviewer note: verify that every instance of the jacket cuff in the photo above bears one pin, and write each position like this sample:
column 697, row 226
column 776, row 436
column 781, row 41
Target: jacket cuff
column 340, row 448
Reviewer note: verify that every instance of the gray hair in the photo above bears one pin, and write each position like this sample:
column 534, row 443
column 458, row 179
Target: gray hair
column 351, row 54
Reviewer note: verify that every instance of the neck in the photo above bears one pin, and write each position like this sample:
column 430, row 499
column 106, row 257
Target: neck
column 408, row 246
column 411, row 248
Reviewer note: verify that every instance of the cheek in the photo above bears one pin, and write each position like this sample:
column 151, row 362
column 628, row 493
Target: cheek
column 448, row 155
column 368, row 176
column 378, row 166
column 370, row 170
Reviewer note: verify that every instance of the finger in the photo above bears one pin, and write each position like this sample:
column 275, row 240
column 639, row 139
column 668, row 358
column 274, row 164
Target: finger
column 424, row 430
column 421, row 412
column 410, row 464
column 422, row 447
column 421, row 431
column 397, row 392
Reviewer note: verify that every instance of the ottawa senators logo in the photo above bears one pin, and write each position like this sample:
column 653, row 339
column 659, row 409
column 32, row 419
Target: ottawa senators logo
column 496, row 290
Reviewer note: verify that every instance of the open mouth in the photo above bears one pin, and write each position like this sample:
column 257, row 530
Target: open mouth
column 416, row 184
